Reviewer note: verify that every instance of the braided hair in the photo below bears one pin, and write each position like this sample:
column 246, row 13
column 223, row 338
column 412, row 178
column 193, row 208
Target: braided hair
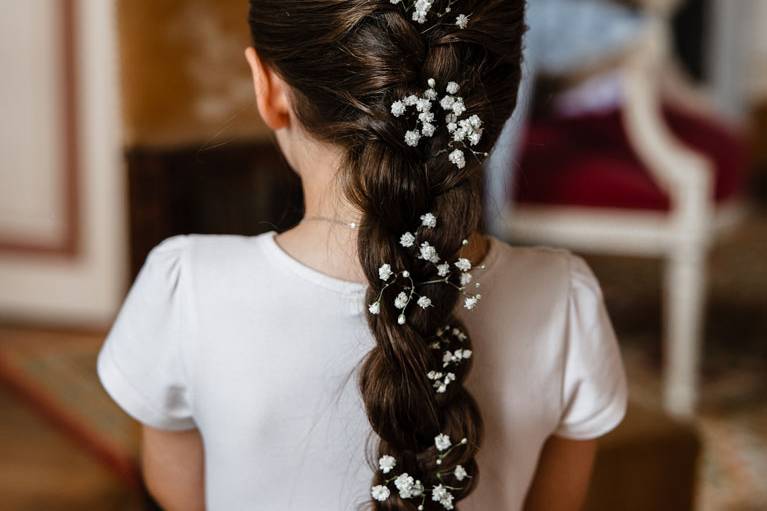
column 346, row 62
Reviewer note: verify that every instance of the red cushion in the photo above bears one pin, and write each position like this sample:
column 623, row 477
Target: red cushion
column 587, row 161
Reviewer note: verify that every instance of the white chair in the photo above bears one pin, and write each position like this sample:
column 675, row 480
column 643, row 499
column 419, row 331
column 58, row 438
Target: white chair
column 681, row 236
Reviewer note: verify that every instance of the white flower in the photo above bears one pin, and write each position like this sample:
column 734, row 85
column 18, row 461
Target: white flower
column 423, row 105
column 429, row 253
column 442, row 442
column 432, row 82
column 460, row 473
column 412, row 138
column 426, row 117
column 471, row 302
column 380, row 493
column 462, row 21
column 467, row 354
column 447, row 102
column 424, row 302
column 430, row 94
column 428, row 129
column 457, row 158
column 398, row 108
column 401, row 301
column 401, row 319
column 453, row 88
column 429, row 220
column 407, row 240
column 411, row 100
column 441, row 495
column 395, row 2
column 475, row 122
column 375, row 308
column 475, row 137
column 384, row 272
column 460, row 335
column 458, row 107
column 463, row 264
column 451, row 127
column 408, row 487
column 443, row 270
column 466, row 279
column 387, row 463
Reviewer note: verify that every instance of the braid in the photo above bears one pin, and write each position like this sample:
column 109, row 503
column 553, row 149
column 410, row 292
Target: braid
column 363, row 56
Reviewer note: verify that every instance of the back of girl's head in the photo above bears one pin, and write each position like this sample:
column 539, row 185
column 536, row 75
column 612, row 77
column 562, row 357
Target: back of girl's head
column 346, row 62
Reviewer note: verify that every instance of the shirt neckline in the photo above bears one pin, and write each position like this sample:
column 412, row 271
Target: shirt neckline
column 286, row 260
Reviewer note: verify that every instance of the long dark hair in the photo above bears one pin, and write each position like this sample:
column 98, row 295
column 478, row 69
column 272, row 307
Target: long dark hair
column 346, row 62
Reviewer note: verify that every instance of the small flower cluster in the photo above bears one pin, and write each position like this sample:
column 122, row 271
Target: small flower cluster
column 465, row 133
column 421, row 10
column 441, row 379
column 426, row 252
column 410, row 488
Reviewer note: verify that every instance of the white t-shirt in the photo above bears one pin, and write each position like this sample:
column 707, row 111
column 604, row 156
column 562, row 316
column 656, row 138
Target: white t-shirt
column 231, row 335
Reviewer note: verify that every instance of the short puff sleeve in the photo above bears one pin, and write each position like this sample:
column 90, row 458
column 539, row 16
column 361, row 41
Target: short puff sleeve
column 594, row 391
column 141, row 364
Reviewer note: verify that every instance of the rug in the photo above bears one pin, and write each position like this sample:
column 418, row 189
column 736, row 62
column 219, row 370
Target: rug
column 732, row 413
column 56, row 374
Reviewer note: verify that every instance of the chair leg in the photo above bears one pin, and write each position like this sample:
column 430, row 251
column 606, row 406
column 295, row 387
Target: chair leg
column 684, row 302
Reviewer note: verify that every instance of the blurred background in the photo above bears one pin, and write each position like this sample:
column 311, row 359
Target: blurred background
column 640, row 142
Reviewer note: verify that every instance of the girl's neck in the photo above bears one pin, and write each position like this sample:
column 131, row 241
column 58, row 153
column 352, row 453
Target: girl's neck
column 328, row 243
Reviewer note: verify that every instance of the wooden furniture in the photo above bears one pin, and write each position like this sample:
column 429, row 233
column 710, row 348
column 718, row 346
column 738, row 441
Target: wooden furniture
column 681, row 235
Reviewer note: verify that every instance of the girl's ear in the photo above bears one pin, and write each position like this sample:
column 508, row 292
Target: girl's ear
column 271, row 93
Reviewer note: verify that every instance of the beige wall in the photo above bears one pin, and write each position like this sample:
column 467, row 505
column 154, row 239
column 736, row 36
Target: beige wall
column 57, row 288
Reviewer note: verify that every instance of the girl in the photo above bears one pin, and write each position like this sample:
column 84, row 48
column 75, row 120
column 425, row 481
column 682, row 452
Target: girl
column 383, row 354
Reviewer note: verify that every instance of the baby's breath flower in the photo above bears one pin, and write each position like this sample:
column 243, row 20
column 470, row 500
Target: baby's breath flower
column 408, row 487
column 380, row 493
column 384, row 272
column 466, row 279
column 442, row 442
column 407, row 240
column 441, row 495
column 387, row 463
column 443, row 270
column 424, row 302
column 401, row 301
column 429, row 220
column 398, row 108
column 428, row 129
column 412, row 138
column 447, row 103
column 453, row 88
column 471, row 302
column 460, row 473
column 458, row 107
column 457, row 158
column 463, row 264
column 429, row 253
column 375, row 308
column 462, row 21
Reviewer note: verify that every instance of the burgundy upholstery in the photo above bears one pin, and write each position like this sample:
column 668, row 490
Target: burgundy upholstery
column 587, row 161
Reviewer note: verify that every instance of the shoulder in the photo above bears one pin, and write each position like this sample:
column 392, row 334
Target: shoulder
column 200, row 253
column 542, row 270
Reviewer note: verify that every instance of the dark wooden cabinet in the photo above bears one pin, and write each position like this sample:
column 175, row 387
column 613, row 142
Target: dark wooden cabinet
column 240, row 188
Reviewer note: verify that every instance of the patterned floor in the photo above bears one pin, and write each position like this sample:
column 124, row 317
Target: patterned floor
column 733, row 411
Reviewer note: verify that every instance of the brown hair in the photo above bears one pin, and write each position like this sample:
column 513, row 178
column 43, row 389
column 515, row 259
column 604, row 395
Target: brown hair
column 346, row 62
